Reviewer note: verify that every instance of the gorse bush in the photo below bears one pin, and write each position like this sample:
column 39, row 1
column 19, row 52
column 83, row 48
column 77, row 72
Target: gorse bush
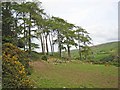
column 21, row 55
column 14, row 74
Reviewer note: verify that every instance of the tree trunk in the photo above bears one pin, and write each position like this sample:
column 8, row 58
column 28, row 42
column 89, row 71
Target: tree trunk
column 79, row 46
column 51, row 45
column 85, row 53
column 59, row 43
column 24, row 32
column 15, row 32
column 60, row 50
column 41, row 39
column 80, row 53
column 46, row 45
column 29, row 31
column 69, row 55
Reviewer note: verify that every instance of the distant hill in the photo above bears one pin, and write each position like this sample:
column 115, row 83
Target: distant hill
column 106, row 50
column 107, row 47
column 101, row 52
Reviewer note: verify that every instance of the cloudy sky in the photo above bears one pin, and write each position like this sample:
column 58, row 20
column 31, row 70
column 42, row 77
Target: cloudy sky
column 98, row 17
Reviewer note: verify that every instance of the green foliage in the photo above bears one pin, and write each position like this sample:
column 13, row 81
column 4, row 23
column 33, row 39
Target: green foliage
column 44, row 57
column 108, row 58
column 22, row 56
column 16, row 32
column 101, row 54
column 20, row 43
column 35, row 56
column 117, row 64
column 14, row 74
column 32, row 15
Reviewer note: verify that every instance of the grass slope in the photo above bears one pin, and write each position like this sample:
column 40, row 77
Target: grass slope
column 106, row 46
column 101, row 51
column 74, row 74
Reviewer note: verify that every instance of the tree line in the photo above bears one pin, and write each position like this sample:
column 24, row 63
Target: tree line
column 23, row 21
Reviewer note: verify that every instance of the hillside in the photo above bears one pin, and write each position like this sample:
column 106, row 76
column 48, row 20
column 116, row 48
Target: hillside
column 107, row 47
column 102, row 51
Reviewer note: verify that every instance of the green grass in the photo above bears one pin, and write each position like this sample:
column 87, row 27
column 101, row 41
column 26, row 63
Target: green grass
column 101, row 51
column 106, row 47
column 73, row 75
column 77, row 74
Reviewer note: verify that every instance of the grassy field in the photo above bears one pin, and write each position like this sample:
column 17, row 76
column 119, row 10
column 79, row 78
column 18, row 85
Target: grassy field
column 73, row 74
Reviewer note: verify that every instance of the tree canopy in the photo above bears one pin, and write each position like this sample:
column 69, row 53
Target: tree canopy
column 27, row 20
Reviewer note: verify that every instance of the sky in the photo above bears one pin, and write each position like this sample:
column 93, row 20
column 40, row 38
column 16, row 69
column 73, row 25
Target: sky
column 98, row 17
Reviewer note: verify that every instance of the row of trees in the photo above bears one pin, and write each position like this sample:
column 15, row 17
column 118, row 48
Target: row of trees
column 27, row 20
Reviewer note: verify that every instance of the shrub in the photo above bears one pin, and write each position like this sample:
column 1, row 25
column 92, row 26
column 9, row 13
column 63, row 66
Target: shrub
column 108, row 58
column 76, row 58
column 35, row 56
column 14, row 73
column 21, row 55
column 44, row 57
